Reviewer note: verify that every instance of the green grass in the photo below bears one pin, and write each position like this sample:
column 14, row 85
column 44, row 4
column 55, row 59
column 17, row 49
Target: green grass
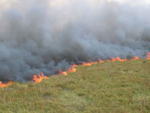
column 110, row 87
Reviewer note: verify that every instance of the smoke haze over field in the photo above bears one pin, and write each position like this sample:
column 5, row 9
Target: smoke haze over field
column 45, row 36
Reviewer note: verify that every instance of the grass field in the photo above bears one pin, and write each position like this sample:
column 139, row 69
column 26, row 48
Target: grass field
column 110, row 87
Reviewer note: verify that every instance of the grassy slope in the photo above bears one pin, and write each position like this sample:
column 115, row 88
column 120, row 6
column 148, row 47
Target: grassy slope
column 111, row 87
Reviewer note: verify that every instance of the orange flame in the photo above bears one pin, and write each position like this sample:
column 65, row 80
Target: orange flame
column 135, row 58
column 91, row 62
column 74, row 65
column 2, row 85
column 122, row 60
column 62, row 72
column 101, row 61
column 148, row 56
column 107, row 60
column 118, row 59
column 39, row 78
column 86, row 64
column 72, row 69
column 113, row 59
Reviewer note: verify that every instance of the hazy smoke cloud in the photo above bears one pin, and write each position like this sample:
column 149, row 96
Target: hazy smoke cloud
column 45, row 36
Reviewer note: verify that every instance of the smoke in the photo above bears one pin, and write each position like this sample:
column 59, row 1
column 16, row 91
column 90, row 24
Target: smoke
column 45, row 36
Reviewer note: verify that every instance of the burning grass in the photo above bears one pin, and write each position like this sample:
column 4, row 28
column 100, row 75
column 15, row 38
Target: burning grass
column 148, row 56
column 103, row 87
column 3, row 85
column 73, row 69
column 39, row 78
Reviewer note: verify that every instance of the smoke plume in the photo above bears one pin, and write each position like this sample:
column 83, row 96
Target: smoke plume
column 47, row 35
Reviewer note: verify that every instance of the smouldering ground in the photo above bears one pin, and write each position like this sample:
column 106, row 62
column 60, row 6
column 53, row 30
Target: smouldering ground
column 110, row 87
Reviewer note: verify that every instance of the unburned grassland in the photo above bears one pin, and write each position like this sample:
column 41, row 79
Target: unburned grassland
column 110, row 87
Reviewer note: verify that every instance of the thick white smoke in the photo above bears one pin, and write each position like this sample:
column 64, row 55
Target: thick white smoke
column 47, row 35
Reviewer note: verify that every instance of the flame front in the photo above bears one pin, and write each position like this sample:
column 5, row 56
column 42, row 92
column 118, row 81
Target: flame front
column 2, row 85
column 86, row 64
column 72, row 69
column 101, row 61
column 63, row 72
column 148, row 56
column 113, row 59
column 74, row 65
column 91, row 62
column 118, row 59
column 39, row 78
column 135, row 58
